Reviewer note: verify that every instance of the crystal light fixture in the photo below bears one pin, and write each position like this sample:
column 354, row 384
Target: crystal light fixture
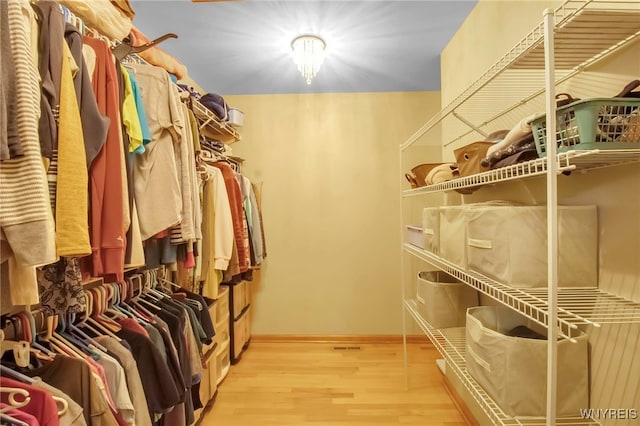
column 308, row 54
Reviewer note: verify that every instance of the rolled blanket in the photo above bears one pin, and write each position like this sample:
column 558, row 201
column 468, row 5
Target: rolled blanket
column 102, row 16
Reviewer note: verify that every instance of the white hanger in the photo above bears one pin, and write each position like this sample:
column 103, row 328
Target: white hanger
column 20, row 350
column 13, row 402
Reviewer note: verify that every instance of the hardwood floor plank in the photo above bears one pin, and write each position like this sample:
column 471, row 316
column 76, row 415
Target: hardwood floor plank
column 313, row 384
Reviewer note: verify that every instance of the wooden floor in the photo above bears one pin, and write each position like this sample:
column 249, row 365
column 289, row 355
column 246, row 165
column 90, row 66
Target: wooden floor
column 315, row 384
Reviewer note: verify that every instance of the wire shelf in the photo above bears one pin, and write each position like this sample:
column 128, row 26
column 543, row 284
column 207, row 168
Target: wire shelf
column 212, row 127
column 576, row 306
column 451, row 343
column 586, row 32
column 567, row 161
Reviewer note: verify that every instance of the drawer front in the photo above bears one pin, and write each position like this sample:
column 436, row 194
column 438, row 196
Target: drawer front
column 222, row 331
column 238, row 335
column 247, row 293
column 205, row 384
column 239, row 298
column 241, row 329
column 223, row 362
column 222, row 302
column 213, row 310
column 212, row 371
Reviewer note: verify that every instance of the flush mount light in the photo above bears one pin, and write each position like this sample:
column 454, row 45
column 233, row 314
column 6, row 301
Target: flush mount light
column 308, row 54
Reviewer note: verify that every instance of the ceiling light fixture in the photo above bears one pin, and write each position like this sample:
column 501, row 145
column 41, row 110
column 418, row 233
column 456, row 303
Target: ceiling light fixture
column 308, row 54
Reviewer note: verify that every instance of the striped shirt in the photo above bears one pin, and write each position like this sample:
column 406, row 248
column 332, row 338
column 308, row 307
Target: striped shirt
column 25, row 210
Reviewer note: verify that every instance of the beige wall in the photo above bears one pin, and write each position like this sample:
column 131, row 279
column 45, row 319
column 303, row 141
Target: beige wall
column 329, row 168
column 493, row 28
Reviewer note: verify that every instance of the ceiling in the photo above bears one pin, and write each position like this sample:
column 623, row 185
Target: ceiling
column 244, row 47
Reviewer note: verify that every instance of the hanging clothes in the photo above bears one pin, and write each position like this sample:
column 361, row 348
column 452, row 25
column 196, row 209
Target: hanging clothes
column 50, row 55
column 61, row 290
column 156, row 183
column 217, row 232
column 72, row 201
column 255, row 225
column 142, row 117
column 10, row 146
column 26, row 219
column 107, row 186
column 41, row 404
column 237, row 214
column 94, row 125
column 75, row 378
column 134, row 382
column 72, row 416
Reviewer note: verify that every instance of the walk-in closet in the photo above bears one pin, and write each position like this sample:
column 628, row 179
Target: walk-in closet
column 319, row 213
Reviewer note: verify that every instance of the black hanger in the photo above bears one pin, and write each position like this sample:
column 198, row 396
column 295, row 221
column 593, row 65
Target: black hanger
column 126, row 48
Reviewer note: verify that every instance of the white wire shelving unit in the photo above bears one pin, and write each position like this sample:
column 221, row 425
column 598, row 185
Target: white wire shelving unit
column 579, row 160
column 569, row 40
column 586, row 31
column 576, row 305
column 451, row 344
column 212, row 127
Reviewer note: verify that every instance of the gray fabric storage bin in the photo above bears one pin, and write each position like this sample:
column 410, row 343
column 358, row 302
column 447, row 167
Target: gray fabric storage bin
column 509, row 244
column 513, row 370
column 431, row 229
column 443, row 300
column 453, row 239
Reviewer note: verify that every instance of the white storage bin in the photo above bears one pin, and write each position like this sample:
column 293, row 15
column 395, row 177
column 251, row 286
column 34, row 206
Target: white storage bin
column 415, row 236
column 236, row 117
column 512, row 370
column 431, row 229
column 509, row 244
column 452, row 235
column 443, row 300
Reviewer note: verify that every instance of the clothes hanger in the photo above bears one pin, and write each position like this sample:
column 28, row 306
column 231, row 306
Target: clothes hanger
column 63, row 407
column 126, row 48
column 77, row 332
column 11, row 421
column 114, row 300
column 172, row 284
column 55, row 343
column 61, row 334
column 20, row 350
column 29, row 334
column 134, row 299
column 13, row 402
column 89, row 322
column 150, row 289
column 100, row 305
column 6, row 371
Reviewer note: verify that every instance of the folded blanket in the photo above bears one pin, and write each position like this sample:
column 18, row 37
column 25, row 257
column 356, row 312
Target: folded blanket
column 102, row 16
column 124, row 7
